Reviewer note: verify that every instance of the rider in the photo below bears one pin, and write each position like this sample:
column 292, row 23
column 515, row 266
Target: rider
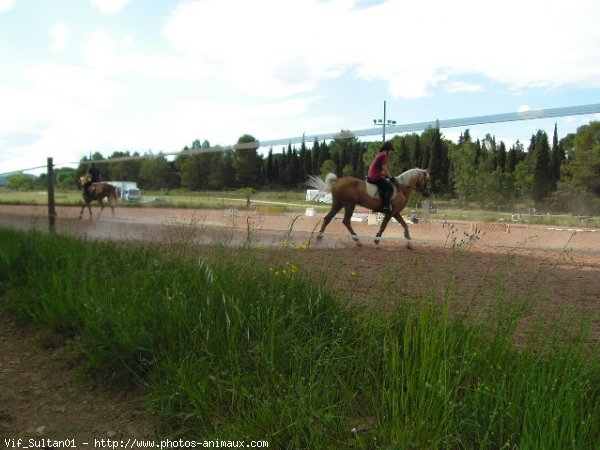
column 377, row 175
column 94, row 173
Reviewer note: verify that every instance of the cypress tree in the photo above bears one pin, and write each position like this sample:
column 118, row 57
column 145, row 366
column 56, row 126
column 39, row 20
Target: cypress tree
column 315, row 158
column 502, row 156
column 478, row 153
column 556, row 159
column 417, row 151
column 436, row 162
column 541, row 166
column 270, row 166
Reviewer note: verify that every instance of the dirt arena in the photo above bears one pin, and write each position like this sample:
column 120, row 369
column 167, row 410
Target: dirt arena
column 41, row 396
column 561, row 267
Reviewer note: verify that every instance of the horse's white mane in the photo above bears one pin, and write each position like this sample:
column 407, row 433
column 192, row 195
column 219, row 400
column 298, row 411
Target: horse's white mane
column 406, row 178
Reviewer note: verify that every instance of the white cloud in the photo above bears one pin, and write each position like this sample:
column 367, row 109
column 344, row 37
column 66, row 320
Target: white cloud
column 60, row 36
column 41, row 124
column 256, row 50
column 6, row 5
column 109, row 6
column 105, row 56
column 461, row 86
column 204, row 119
column 523, row 108
column 75, row 84
column 273, row 48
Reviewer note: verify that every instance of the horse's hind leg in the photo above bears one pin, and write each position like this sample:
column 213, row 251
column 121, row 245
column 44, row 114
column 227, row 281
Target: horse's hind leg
column 101, row 208
column 330, row 215
column 349, row 210
column 89, row 205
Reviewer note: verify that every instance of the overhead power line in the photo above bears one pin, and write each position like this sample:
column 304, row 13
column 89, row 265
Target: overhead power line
column 347, row 134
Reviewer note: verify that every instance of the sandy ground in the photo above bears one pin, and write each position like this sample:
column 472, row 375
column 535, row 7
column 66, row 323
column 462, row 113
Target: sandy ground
column 151, row 224
column 40, row 396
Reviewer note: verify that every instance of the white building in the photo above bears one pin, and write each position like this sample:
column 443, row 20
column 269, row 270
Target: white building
column 127, row 190
column 314, row 195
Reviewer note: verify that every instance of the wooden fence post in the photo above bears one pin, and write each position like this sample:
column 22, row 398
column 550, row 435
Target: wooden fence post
column 51, row 208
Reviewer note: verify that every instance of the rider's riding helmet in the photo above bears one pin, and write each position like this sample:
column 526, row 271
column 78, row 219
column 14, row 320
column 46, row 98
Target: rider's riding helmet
column 387, row 145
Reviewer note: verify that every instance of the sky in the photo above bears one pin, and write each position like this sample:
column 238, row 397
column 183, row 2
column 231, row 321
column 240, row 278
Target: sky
column 84, row 76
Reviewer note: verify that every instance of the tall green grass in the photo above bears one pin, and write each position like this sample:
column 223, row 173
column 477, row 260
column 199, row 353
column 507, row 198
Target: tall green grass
column 223, row 345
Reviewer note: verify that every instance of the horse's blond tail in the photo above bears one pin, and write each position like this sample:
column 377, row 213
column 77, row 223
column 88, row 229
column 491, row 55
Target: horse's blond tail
column 113, row 195
column 320, row 184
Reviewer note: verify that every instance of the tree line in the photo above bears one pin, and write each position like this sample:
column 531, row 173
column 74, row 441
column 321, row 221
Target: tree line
column 561, row 174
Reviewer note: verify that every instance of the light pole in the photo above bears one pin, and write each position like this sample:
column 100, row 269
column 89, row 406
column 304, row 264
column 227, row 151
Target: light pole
column 384, row 121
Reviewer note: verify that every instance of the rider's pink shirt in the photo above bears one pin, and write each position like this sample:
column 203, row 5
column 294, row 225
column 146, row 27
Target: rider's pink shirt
column 376, row 169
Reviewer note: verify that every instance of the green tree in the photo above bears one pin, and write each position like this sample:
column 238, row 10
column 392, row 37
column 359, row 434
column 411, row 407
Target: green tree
column 438, row 155
column 20, row 182
column 465, row 178
column 402, row 154
column 502, row 156
column 347, row 151
column 192, row 170
column 66, row 178
column 583, row 170
column 523, row 179
column 305, row 162
column 371, row 153
column 193, row 165
column 556, row 159
column 217, row 172
column 328, row 167
column 270, row 169
column 315, row 157
column 515, row 155
column 246, row 163
column 541, row 166
column 124, row 170
column 156, row 173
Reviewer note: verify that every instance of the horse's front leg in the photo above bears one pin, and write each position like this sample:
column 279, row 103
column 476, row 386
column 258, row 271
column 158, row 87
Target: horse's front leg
column 81, row 212
column 384, row 223
column 400, row 219
column 89, row 205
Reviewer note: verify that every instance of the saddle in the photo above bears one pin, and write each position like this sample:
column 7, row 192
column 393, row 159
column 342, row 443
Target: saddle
column 373, row 190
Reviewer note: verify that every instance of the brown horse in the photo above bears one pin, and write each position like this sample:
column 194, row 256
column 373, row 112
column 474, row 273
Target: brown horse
column 97, row 191
column 347, row 192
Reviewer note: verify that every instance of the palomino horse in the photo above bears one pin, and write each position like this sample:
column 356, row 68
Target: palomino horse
column 97, row 191
column 347, row 192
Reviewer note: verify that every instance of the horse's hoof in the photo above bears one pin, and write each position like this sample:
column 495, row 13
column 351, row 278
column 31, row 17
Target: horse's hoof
column 408, row 246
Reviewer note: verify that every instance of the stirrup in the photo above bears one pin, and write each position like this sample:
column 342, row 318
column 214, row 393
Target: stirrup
column 384, row 210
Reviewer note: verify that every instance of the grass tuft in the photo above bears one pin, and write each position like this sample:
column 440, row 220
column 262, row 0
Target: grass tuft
column 226, row 345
